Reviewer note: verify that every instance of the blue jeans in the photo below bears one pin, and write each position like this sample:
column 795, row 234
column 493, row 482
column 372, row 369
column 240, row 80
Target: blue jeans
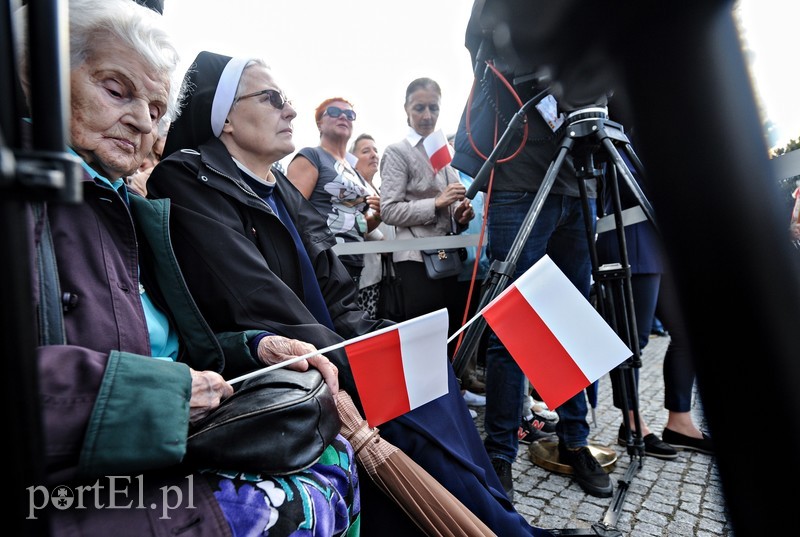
column 560, row 232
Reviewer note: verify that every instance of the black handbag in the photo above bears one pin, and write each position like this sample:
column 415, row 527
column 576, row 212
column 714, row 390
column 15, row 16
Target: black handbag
column 391, row 301
column 444, row 262
column 276, row 423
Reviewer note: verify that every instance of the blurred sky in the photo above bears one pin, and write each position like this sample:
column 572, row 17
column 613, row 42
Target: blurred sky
column 364, row 51
column 368, row 52
column 769, row 30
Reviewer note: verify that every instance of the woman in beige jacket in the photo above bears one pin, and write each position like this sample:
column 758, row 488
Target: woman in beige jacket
column 421, row 202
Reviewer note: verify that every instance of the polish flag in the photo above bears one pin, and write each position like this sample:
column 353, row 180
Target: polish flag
column 400, row 368
column 438, row 150
column 559, row 340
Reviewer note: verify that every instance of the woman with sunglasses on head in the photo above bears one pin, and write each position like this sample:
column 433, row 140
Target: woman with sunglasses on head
column 328, row 179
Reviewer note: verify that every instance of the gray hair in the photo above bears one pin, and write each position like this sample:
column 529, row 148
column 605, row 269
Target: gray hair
column 363, row 136
column 422, row 83
column 135, row 25
column 253, row 62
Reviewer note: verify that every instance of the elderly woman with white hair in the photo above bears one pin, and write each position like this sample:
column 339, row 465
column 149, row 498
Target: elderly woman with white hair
column 137, row 364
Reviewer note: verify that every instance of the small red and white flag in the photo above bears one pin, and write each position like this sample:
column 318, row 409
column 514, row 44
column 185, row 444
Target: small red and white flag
column 400, row 368
column 559, row 340
column 438, row 150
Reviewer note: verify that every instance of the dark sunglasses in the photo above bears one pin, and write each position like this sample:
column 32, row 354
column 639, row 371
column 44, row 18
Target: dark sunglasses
column 335, row 111
column 275, row 97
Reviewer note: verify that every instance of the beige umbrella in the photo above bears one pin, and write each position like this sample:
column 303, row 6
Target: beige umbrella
column 431, row 506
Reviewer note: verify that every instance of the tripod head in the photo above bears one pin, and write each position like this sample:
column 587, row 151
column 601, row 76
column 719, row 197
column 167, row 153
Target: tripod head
column 582, row 125
column 586, row 114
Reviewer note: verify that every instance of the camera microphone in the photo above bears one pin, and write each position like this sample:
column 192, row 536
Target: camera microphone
column 480, row 179
column 515, row 126
column 485, row 52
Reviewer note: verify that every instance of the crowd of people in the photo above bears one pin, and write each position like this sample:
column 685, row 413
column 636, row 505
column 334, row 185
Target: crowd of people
column 194, row 259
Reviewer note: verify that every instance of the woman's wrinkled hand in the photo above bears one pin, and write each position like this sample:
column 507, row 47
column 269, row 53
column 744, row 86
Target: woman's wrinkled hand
column 374, row 203
column 138, row 180
column 209, row 389
column 452, row 193
column 276, row 349
column 374, row 212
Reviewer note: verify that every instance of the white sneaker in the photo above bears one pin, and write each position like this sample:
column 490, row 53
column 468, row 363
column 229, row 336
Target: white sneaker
column 473, row 399
column 540, row 408
column 473, row 413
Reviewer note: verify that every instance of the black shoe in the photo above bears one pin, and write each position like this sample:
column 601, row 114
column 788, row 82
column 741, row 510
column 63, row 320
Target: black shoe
column 653, row 445
column 681, row 441
column 543, row 418
column 587, row 471
column 531, row 430
column 503, row 471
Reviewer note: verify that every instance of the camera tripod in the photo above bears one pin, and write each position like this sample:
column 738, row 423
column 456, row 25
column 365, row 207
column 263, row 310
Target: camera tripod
column 592, row 140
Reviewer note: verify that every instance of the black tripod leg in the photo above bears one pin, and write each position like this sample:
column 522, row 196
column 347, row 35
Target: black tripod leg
column 615, row 304
column 500, row 273
column 597, row 530
column 634, row 158
column 622, row 314
column 623, row 170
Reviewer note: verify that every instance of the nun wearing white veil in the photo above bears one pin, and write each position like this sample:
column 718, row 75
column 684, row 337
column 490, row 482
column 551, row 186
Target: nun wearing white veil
column 258, row 257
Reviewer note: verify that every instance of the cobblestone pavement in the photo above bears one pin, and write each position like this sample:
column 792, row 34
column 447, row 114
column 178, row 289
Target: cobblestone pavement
column 682, row 497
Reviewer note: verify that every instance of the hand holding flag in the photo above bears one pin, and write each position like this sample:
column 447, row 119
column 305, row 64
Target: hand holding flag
column 396, row 369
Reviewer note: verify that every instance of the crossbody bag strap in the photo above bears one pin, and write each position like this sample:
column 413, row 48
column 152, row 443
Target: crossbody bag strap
column 50, row 313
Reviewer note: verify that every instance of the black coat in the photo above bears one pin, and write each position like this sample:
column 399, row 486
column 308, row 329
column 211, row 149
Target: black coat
column 242, row 267
column 239, row 259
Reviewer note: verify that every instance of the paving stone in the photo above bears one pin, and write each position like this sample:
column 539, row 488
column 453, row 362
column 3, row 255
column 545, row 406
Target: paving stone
column 682, row 497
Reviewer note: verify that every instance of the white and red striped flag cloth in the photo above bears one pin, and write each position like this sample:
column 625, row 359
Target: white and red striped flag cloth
column 559, row 340
column 438, row 150
column 400, row 368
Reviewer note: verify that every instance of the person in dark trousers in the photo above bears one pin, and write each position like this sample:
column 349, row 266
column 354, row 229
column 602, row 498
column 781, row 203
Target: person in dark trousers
column 646, row 266
column 559, row 231
column 680, row 431
column 420, row 201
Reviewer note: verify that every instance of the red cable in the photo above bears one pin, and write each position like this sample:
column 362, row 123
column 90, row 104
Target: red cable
column 468, row 123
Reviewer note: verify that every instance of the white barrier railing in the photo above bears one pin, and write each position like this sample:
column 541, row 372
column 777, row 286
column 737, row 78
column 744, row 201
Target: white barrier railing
column 399, row 245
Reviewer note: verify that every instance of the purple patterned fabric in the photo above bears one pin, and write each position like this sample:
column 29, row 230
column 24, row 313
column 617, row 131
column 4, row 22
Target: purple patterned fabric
column 321, row 501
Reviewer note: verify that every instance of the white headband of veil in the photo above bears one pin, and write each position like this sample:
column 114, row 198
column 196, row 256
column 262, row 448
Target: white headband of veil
column 226, row 91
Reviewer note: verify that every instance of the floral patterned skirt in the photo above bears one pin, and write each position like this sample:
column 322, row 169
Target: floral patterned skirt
column 320, row 501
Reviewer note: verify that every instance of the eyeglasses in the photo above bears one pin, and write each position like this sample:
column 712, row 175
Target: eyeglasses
column 275, row 97
column 335, row 111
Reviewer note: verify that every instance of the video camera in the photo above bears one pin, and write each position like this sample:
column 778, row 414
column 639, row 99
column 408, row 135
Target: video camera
column 521, row 61
column 537, row 43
